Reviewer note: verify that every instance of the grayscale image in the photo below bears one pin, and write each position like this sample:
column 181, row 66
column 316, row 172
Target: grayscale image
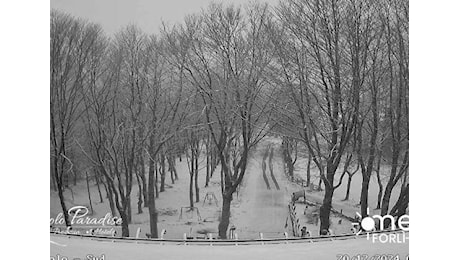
column 229, row 129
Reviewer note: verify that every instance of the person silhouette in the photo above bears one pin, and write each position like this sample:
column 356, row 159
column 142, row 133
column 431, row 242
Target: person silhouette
column 303, row 231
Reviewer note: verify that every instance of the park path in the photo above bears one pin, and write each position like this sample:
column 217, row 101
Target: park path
column 264, row 198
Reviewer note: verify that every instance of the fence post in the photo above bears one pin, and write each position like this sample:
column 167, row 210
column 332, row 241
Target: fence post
column 210, row 238
column 114, row 233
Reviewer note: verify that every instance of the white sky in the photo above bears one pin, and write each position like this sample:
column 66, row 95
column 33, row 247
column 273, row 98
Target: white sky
column 147, row 14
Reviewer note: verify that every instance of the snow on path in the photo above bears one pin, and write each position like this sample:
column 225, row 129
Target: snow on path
column 261, row 209
column 81, row 248
column 290, row 187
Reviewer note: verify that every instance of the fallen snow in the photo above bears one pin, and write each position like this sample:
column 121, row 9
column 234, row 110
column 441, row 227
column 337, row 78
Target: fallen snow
column 82, row 247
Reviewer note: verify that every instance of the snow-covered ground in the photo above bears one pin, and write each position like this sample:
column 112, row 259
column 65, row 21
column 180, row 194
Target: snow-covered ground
column 73, row 248
column 262, row 209
column 306, row 217
column 255, row 209
column 168, row 204
column 352, row 205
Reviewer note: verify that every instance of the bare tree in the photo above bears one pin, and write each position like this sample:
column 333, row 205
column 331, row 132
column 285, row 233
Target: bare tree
column 395, row 18
column 367, row 64
column 166, row 110
column 117, row 117
column 348, row 162
column 314, row 69
column 225, row 60
column 289, row 147
column 192, row 156
column 328, row 75
column 71, row 44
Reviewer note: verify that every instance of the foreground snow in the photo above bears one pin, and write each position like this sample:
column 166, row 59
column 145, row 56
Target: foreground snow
column 70, row 247
column 256, row 207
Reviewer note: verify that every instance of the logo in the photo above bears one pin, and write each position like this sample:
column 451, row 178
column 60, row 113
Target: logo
column 378, row 222
column 81, row 223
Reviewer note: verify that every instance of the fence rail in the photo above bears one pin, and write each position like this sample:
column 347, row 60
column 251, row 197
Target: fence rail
column 222, row 242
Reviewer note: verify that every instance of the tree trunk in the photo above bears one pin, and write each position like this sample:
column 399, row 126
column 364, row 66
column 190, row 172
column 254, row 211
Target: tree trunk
column 325, row 209
column 63, row 206
column 214, row 161
column 190, row 191
column 197, row 188
column 89, row 194
column 222, row 180
column 379, row 196
column 379, row 181
column 364, row 194
column 309, row 170
column 208, row 165
column 176, row 177
column 191, row 172
column 53, row 179
column 139, row 204
column 287, row 156
column 96, row 176
column 128, row 209
column 144, row 190
column 61, row 193
column 139, row 195
column 143, row 180
column 386, row 199
column 162, row 172
column 401, row 205
column 225, row 217
column 347, row 196
column 157, row 190
column 171, row 168
column 404, row 183
column 109, row 196
column 394, row 177
column 124, row 224
column 151, row 201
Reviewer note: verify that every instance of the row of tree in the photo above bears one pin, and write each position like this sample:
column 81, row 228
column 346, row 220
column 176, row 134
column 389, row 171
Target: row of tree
column 344, row 67
column 330, row 74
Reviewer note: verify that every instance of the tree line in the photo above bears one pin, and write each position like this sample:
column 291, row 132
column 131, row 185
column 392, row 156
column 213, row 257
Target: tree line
column 330, row 75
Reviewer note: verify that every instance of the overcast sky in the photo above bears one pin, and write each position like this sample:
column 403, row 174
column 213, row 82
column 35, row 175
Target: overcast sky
column 147, row 14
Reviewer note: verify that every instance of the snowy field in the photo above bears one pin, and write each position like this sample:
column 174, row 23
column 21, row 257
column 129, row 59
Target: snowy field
column 255, row 208
column 80, row 248
column 168, row 204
